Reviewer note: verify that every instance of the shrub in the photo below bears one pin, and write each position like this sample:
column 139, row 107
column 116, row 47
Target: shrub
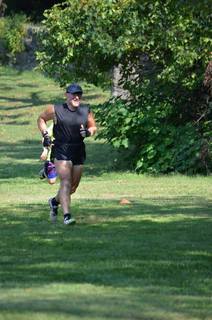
column 12, row 33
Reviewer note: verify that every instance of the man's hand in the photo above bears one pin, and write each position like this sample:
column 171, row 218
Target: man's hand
column 44, row 154
column 84, row 132
column 46, row 140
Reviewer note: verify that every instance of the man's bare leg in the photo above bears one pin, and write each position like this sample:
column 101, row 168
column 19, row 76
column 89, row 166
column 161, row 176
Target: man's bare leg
column 76, row 176
column 64, row 171
column 69, row 176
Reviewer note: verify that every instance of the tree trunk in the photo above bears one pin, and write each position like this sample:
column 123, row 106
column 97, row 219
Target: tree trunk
column 3, row 7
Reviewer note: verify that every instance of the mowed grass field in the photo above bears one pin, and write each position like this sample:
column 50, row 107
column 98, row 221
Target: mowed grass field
column 150, row 259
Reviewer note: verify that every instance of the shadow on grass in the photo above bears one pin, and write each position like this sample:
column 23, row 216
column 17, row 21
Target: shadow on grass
column 162, row 264
column 13, row 119
column 24, row 150
column 32, row 101
column 101, row 158
column 109, row 246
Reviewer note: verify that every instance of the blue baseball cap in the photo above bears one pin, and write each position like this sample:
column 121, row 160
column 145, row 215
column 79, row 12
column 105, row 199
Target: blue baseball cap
column 74, row 88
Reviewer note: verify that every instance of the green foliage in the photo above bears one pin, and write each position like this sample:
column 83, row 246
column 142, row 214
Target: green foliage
column 12, row 33
column 78, row 40
column 93, row 35
column 85, row 39
column 158, row 145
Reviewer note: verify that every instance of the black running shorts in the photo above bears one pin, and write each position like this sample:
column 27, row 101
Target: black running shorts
column 70, row 152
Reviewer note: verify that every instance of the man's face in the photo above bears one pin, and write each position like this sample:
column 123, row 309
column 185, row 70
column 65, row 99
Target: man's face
column 73, row 99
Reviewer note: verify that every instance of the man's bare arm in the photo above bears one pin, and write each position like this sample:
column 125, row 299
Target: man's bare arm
column 91, row 124
column 48, row 114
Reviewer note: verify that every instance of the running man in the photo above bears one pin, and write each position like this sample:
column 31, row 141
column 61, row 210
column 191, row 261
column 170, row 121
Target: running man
column 72, row 123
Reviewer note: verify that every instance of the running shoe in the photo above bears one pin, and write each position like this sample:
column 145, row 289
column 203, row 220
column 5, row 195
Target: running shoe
column 53, row 210
column 42, row 174
column 68, row 219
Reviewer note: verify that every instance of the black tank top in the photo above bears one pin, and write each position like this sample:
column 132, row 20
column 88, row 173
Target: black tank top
column 67, row 125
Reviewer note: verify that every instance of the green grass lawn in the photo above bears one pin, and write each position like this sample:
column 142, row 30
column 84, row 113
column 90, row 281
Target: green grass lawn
column 148, row 260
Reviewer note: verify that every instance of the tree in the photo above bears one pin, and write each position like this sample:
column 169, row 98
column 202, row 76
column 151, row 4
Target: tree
column 166, row 121
column 3, row 7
